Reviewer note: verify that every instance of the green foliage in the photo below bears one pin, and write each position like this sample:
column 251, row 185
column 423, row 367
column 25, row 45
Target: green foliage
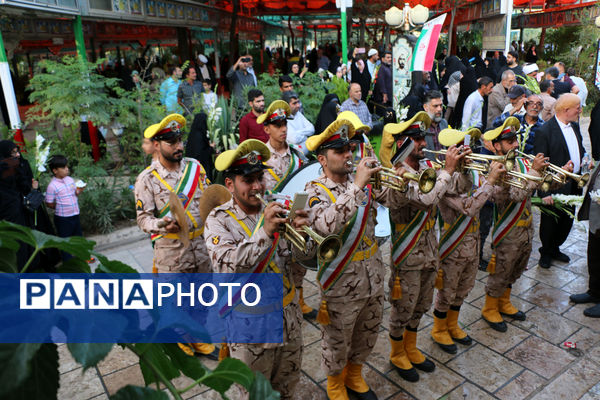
column 339, row 87
column 69, row 89
column 530, row 83
column 30, row 370
column 311, row 89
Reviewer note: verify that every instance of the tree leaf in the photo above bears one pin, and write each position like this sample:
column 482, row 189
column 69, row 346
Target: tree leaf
column 112, row 266
column 229, row 371
column 34, row 368
column 153, row 354
column 261, row 389
column 191, row 367
column 139, row 393
column 8, row 259
column 89, row 354
column 15, row 360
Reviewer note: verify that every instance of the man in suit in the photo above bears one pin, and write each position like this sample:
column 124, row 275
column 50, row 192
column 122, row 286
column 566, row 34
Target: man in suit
column 590, row 210
column 560, row 139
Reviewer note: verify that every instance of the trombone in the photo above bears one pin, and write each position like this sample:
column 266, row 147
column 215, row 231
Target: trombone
column 328, row 247
column 388, row 177
column 561, row 175
column 480, row 162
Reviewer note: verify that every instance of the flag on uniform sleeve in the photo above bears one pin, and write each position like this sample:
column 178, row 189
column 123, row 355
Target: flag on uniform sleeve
column 424, row 52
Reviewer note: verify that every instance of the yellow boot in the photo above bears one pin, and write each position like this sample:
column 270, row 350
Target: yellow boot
column 186, row 349
column 414, row 355
column 206, row 349
column 506, row 307
column 491, row 314
column 440, row 333
column 400, row 361
column 355, row 383
column 456, row 333
column 335, row 387
column 307, row 311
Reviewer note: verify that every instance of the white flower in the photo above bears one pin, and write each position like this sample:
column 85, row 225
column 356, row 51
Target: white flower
column 41, row 154
column 569, row 200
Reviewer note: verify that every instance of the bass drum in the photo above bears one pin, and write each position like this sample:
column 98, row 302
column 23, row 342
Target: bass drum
column 295, row 183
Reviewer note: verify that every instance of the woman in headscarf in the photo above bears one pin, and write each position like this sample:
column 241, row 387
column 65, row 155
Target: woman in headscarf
column 16, row 182
column 328, row 113
column 198, row 145
column 453, row 64
column 468, row 84
column 452, row 90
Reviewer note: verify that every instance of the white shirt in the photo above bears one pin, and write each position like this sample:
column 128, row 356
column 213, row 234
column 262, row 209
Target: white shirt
column 572, row 144
column 298, row 130
column 583, row 92
column 471, row 117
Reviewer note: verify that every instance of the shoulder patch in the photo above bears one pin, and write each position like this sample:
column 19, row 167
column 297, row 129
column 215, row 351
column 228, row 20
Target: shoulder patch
column 216, row 239
column 313, row 201
column 139, row 205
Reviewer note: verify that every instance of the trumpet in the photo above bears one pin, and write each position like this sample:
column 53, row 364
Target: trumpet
column 328, row 247
column 480, row 162
column 561, row 175
column 519, row 180
column 388, row 177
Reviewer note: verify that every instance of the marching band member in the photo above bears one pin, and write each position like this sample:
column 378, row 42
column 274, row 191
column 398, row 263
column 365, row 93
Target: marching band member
column 352, row 283
column 414, row 244
column 459, row 246
column 512, row 232
column 240, row 234
column 170, row 173
column 284, row 160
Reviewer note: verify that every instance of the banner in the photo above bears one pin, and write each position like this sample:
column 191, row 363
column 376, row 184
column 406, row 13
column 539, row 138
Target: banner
column 424, row 53
column 141, row 308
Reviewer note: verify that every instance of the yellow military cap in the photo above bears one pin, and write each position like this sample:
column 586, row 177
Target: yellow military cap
column 447, row 137
column 168, row 128
column 247, row 158
column 414, row 127
column 507, row 130
column 337, row 134
column 277, row 110
column 356, row 122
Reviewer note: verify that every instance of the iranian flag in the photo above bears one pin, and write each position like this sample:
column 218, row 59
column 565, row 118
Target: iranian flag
column 424, row 52
column 9, row 97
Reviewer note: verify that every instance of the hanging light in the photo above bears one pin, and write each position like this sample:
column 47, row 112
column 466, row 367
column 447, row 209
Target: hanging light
column 407, row 17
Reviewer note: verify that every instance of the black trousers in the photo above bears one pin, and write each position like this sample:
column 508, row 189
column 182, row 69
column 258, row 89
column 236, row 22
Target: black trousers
column 593, row 254
column 554, row 231
column 486, row 219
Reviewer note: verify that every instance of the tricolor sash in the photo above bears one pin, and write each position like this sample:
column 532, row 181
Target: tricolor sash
column 351, row 236
column 185, row 190
column 457, row 231
column 295, row 164
column 505, row 222
column 406, row 240
column 264, row 262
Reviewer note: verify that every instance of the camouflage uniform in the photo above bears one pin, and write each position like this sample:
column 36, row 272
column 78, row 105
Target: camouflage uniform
column 279, row 164
column 231, row 250
column 459, row 268
column 512, row 253
column 355, row 302
column 418, row 272
column 151, row 195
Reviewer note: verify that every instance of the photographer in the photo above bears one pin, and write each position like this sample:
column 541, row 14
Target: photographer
column 239, row 77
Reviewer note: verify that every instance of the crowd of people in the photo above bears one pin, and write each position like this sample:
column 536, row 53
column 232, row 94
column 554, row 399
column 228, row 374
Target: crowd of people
column 494, row 112
column 518, row 145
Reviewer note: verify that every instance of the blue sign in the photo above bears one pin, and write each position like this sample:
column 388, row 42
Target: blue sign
column 141, row 308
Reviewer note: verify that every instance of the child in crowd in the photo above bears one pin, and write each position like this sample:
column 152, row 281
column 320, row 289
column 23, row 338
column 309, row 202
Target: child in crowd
column 209, row 97
column 61, row 195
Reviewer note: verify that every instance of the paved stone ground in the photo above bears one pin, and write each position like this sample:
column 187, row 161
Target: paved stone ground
column 527, row 362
